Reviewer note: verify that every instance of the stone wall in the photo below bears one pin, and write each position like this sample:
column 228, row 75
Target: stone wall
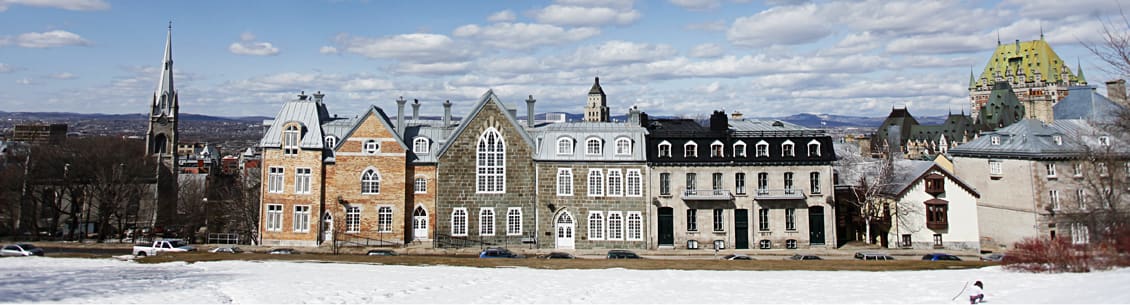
column 579, row 204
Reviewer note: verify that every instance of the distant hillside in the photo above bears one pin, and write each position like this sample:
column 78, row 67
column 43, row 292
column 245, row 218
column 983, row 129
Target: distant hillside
column 70, row 116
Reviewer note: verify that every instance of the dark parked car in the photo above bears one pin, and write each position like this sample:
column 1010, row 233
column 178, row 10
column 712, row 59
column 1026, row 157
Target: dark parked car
column 622, row 254
column 561, row 255
column 497, row 253
column 940, row 257
column 226, row 250
column 381, row 252
column 871, row 256
column 993, row 257
column 21, row 250
column 798, row 257
column 737, row 257
column 283, row 251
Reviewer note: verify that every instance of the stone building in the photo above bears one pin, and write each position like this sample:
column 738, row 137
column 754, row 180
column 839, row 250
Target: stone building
column 1034, row 72
column 739, row 184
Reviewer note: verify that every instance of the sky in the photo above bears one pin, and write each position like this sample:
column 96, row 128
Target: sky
column 110, row 281
column 668, row 57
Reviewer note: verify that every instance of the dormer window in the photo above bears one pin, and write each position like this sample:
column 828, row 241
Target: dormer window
column 762, row 149
column 420, row 145
column 664, row 149
column 290, row 140
column 995, row 140
column 592, row 146
column 564, row 146
column 787, row 149
column 331, row 141
column 690, row 150
column 814, row 148
column 1104, row 141
column 716, row 150
column 739, row 149
column 623, row 146
column 372, row 147
column 1058, row 140
column 935, row 184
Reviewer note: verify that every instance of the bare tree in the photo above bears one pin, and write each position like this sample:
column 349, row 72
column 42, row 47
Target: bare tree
column 238, row 203
column 869, row 178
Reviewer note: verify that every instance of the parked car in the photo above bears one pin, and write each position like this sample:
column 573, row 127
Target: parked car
column 737, row 257
column 497, row 253
column 226, row 250
column 993, row 257
column 559, row 255
column 282, row 251
column 940, row 257
column 381, row 252
column 160, row 246
column 21, row 250
column 622, row 254
column 799, row 257
column 871, row 256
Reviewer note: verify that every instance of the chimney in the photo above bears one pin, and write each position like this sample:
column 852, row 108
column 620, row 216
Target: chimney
column 634, row 115
column 718, row 121
column 416, row 110
column 530, row 111
column 318, row 96
column 400, row 115
column 735, row 115
column 446, row 113
column 302, row 95
column 1116, row 91
column 513, row 113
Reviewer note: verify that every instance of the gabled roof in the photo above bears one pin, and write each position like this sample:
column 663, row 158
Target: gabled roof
column 1084, row 103
column 907, row 173
column 488, row 97
column 380, row 115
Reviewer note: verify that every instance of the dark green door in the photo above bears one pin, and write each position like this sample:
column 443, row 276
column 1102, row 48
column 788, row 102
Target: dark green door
column 816, row 225
column 741, row 229
column 666, row 227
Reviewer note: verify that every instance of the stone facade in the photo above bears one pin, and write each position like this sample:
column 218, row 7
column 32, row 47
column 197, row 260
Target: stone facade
column 580, row 206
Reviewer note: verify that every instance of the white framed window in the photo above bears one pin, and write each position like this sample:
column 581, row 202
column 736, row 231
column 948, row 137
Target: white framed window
column 1078, row 169
column 565, row 146
column 275, row 179
column 514, row 221
column 1057, row 139
column 372, row 147
column 719, row 220
column 788, row 149
column 564, row 182
column 274, row 217
column 1051, row 169
column 623, row 146
column 788, row 179
column 1081, row 198
column 690, row 150
column 664, row 149
column 692, row 181
column 370, row 182
column 692, row 220
column 814, row 182
column 331, row 141
column 739, row 149
column 491, row 166
column 1080, row 235
column 790, row 219
column 420, row 145
column 596, row 182
column 717, row 150
column 762, row 183
column 995, row 167
column 301, row 218
column 384, row 219
column 1127, row 168
column 1102, row 169
column 762, row 148
column 664, row 183
column 1104, row 141
column 593, row 146
column 1053, row 197
column 352, row 219
column 290, row 140
column 763, row 219
column 486, row 221
column 739, row 183
column 995, row 140
column 459, row 222
column 615, row 226
column 421, row 185
column 596, row 226
column 635, row 226
column 634, row 183
column 814, row 148
column 302, row 180
column 615, row 183
column 716, row 181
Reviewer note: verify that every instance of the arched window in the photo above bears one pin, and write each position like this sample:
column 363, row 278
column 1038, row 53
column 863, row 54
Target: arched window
column 459, row 222
column 420, row 145
column 615, row 226
column 615, row 183
column 814, row 148
column 664, row 149
column 739, row 149
column 421, row 185
column 634, row 183
column 635, row 226
column 593, row 146
column 486, row 222
column 564, row 146
column 514, row 221
column 384, row 219
column 787, row 149
column 596, row 226
column 623, row 146
column 564, row 182
column 690, row 150
column 762, row 149
column 491, row 165
column 370, row 182
column 596, row 182
column 331, row 141
column 290, row 140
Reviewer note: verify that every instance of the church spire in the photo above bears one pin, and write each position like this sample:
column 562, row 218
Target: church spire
column 972, row 81
column 165, row 98
column 1079, row 72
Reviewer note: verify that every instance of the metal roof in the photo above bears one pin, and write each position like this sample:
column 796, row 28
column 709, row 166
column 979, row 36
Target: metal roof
column 309, row 114
column 580, row 132
column 1083, row 103
column 1033, row 139
column 488, row 97
column 435, row 135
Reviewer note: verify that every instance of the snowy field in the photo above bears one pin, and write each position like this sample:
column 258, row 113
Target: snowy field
column 72, row 280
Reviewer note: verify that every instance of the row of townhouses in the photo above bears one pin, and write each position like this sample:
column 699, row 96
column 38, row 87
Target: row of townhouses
column 492, row 179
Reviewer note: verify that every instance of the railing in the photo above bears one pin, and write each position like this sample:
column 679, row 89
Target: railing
column 355, row 240
column 509, row 241
column 223, row 238
column 780, row 194
column 707, row 195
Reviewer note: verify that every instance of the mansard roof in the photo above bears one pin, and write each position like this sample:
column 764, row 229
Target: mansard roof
column 310, row 114
column 679, row 132
column 1029, row 58
column 580, row 132
column 1085, row 104
column 1033, row 139
column 488, row 97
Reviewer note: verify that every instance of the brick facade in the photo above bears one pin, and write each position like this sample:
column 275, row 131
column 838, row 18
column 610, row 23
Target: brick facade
column 343, row 184
column 289, row 199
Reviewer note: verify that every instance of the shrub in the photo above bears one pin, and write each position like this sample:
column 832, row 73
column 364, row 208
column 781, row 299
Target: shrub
column 1047, row 255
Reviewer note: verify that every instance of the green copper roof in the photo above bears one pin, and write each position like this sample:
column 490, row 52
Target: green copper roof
column 1029, row 57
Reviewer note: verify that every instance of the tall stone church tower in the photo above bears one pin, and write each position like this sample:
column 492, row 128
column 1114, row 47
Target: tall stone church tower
column 161, row 139
column 597, row 108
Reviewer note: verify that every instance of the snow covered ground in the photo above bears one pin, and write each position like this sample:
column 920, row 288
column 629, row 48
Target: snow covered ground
column 72, row 280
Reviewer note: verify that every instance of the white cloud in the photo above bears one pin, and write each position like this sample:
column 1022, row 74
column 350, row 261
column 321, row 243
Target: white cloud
column 415, row 47
column 6, row 68
column 519, row 36
column 327, row 50
column 502, row 16
column 367, row 84
column 248, row 46
column 901, row 18
column 853, row 43
column 712, row 26
column 617, row 4
column 618, row 52
column 1055, row 9
column 585, row 16
column 72, row 5
column 711, row 88
column 696, row 4
column 63, row 75
column 51, row 39
column 939, row 44
column 706, row 50
column 23, row 81
column 437, row 68
column 788, row 25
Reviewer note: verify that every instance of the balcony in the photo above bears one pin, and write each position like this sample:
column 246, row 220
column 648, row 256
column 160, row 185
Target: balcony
column 708, row 195
column 779, row 194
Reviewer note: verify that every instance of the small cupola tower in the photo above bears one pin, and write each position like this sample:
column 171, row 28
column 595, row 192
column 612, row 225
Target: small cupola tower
column 161, row 139
column 597, row 108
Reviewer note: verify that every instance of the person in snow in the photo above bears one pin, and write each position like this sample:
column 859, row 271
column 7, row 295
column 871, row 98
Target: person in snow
column 976, row 293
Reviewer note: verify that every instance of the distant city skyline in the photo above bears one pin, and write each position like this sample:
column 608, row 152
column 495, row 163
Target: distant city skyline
column 675, row 57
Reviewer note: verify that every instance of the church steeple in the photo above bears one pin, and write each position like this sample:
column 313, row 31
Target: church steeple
column 161, row 139
column 597, row 108
column 165, row 98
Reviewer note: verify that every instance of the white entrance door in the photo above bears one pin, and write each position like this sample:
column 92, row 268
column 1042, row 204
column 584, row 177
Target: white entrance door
column 420, row 223
column 564, row 231
column 328, row 227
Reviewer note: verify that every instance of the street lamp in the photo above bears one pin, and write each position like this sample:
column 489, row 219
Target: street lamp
column 207, row 230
